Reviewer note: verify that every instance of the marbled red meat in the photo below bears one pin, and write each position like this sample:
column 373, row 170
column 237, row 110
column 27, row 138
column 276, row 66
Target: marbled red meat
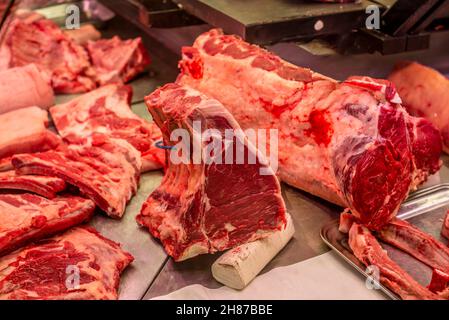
column 204, row 207
column 77, row 265
column 425, row 93
column 27, row 217
column 350, row 143
column 107, row 110
column 117, row 60
column 104, row 170
column 44, row 186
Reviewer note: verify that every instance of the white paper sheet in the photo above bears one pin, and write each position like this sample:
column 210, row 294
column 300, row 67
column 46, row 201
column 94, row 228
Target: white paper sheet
column 323, row 277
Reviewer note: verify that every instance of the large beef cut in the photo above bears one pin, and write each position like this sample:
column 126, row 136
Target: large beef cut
column 47, row 187
column 425, row 93
column 350, row 143
column 104, row 170
column 27, row 217
column 205, row 206
column 24, row 87
column 25, row 130
column 78, row 265
column 368, row 250
column 107, row 110
column 42, row 42
column 117, row 60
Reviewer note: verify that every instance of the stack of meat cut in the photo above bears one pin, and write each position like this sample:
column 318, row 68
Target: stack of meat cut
column 68, row 66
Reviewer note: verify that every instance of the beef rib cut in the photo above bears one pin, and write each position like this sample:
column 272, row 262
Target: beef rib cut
column 116, row 60
column 44, row 186
column 42, row 271
column 27, row 217
column 104, row 170
column 208, row 207
column 24, row 87
column 368, row 250
column 425, row 93
column 42, row 42
column 107, row 110
column 445, row 229
column 348, row 143
column 25, row 130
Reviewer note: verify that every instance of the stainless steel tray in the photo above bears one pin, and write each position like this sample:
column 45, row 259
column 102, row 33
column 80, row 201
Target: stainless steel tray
column 425, row 209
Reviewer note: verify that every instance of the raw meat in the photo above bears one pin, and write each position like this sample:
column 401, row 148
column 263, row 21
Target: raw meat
column 439, row 282
column 350, row 143
column 370, row 253
column 84, row 34
column 43, row 43
column 445, row 229
column 28, row 217
column 41, row 185
column 24, row 87
column 107, row 110
column 204, row 207
column 418, row 244
column 50, row 270
column 117, row 60
column 25, row 130
column 105, row 170
column 425, row 93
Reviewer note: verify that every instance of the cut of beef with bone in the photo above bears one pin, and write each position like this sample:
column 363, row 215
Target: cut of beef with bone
column 105, row 170
column 117, row 60
column 350, row 143
column 77, row 265
column 24, row 87
column 25, row 130
column 28, row 217
column 107, row 110
column 417, row 243
column 425, row 93
column 41, row 185
column 368, row 250
column 207, row 206
column 43, row 43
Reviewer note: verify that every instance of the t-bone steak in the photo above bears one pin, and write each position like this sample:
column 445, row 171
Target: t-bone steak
column 104, row 170
column 27, row 217
column 107, row 110
column 77, row 265
column 206, row 206
column 350, row 143
column 44, row 186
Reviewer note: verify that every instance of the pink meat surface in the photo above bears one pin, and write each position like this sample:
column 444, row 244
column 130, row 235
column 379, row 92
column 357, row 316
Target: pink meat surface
column 41, row 271
column 25, row 130
column 425, row 93
column 44, row 186
column 104, row 170
column 107, row 110
column 117, row 60
column 350, row 143
column 27, row 217
column 208, row 206
column 445, row 229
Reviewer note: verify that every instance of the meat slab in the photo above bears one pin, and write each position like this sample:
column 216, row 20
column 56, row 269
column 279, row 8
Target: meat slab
column 208, row 206
column 445, row 229
column 44, row 186
column 25, row 130
column 117, row 60
column 77, row 265
column 43, row 43
column 27, row 217
column 368, row 250
column 107, row 110
column 425, row 93
column 24, row 87
column 104, row 170
column 350, row 143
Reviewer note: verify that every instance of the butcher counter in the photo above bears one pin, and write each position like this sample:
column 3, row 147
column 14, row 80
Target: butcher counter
column 305, row 268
